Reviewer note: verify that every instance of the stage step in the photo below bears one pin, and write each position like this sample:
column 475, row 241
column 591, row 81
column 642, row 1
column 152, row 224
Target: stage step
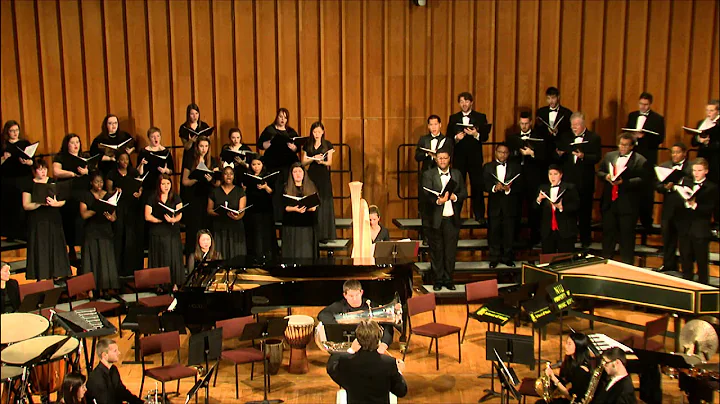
column 416, row 224
column 17, row 267
column 472, row 266
column 463, row 245
column 6, row 245
column 341, row 223
column 460, row 290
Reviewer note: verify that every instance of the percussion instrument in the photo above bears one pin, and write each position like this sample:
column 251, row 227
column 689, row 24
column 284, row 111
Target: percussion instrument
column 45, row 377
column 274, row 350
column 698, row 337
column 16, row 327
column 11, row 379
column 298, row 334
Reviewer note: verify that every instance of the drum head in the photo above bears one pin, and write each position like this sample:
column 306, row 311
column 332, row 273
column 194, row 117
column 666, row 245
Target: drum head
column 15, row 327
column 25, row 351
column 10, row 372
column 300, row 320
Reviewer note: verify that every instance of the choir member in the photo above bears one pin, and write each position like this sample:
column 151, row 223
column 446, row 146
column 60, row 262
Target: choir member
column 693, row 221
column 228, row 224
column 190, row 130
column 672, row 204
column 46, row 254
column 111, row 136
column 317, row 155
column 578, row 152
column 154, row 159
column 708, row 144
column 527, row 148
column 647, row 145
column 197, row 191
column 241, row 158
column 575, row 374
column 278, row 141
column 259, row 222
column 14, row 171
column 73, row 389
column 129, row 228
column 443, row 217
column 378, row 232
column 554, row 119
column 298, row 231
column 625, row 174
column 618, row 387
column 165, row 248
column 466, row 132
column 98, row 252
column 426, row 154
column 205, row 249
column 558, row 225
column 9, row 290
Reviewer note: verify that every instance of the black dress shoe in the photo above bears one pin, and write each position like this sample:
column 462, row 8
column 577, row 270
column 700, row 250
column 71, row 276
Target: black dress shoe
column 510, row 263
column 450, row 286
column 482, row 221
column 437, row 287
column 493, row 264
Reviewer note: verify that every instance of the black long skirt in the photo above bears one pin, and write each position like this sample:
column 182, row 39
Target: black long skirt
column 261, row 236
column 46, row 252
column 166, row 250
column 299, row 242
column 130, row 235
column 230, row 240
column 13, row 224
column 98, row 256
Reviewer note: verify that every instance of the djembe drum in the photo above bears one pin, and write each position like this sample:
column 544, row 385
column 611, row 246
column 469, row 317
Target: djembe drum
column 298, row 334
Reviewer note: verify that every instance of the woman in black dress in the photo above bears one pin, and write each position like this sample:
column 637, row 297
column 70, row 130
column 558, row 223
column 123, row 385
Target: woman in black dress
column 14, row 171
column 228, row 225
column 205, row 249
column 197, row 192
column 239, row 155
column 165, row 246
column 259, row 222
column 190, row 130
column 46, row 254
column 298, row 231
column 154, row 160
column 69, row 166
column 377, row 231
column 575, row 370
column 129, row 227
column 317, row 156
column 280, row 152
column 108, row 143
column 98, row 252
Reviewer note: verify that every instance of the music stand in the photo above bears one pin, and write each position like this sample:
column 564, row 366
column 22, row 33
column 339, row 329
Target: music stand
column 508, row 380
column 540, row 316
column 264, row 330
column 130, row 322
column 340, row 332
column 511, row 348
column 203, row 382
column 204, row 347
column 40, row 300
column 396, row 249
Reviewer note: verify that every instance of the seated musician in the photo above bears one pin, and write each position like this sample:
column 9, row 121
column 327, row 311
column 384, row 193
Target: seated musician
column 378, row 232
column 574, row 376
column 367, row 375
column 9, row 291
column 73, row 389
column 618, row 388
column 353, row 300
column 205, row 250
column 104, row 385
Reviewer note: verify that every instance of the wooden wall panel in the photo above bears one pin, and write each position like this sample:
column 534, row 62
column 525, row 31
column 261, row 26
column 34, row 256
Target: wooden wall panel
column 372, row 71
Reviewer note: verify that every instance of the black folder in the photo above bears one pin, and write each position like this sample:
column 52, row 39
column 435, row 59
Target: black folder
column 58, row 190
column 309, row 201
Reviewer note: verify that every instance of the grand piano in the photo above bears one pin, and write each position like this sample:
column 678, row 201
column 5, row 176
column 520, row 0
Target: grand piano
column 239, row 286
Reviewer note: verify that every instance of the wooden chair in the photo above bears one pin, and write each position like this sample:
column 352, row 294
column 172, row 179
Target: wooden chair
column 233, row 328
column 160, row 344
column 81, row 285
column 152, row 278
column 434, row 330
column 653, row 328
column 478, row 292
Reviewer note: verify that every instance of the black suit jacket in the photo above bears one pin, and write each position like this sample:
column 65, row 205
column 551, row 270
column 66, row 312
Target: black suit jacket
column 327, row 316
column 468, row 145
column 582, row 172
column 711, row 151
column 534, row 169
column 105, row 387
column 563, row 127
column 634, row 178
column 12, row 291
column 500, row 204
column 649, row 143
column 567, row 219
column 421, row 156
column 672, row 201
column 368, row 377
column 622, row 392
column 431, row 180
column 696, row 222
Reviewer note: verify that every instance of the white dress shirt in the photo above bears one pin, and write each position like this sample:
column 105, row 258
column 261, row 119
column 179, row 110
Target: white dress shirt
column 552, row 116
column 500, row 172
column 579, row 138
column 447, row 207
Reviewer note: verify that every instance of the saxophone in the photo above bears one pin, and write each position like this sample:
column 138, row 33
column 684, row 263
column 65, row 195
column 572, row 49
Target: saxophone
column 592, row 387
column 543, row 386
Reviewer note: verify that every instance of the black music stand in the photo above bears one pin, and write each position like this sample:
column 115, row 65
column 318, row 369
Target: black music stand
column 396, row 249
column 540, row 316
column 130, row 322
column 508, row 380
column 203, row 382
column 511, row 348
column 40, row 300
column 340, row 332
column 204, row 347
column 274, row 328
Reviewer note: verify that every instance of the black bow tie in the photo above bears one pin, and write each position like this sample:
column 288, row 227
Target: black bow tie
column 525, row 134
column 678, row 166
column 624, row 155
column 554, row 110
column 501, row 164
column 447, row 173
column 555, row 186
column 644, row 113
column 699, row 183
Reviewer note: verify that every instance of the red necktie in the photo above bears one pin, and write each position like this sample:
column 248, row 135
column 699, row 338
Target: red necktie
column 615, row 188
column 553, row 220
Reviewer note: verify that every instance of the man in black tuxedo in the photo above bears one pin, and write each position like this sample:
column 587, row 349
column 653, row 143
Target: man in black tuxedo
column 672, row 203
column 647, row 145
column 527, row 148
column 578, row 151
column 618, row 387
column 426, row 151
column 467, row 130
column 366, row 375
column 621, row 191
column 559, row 219
column 554, row 116
column 694, row 221
column 442, row 217
column 503, row 202
column 708, row 143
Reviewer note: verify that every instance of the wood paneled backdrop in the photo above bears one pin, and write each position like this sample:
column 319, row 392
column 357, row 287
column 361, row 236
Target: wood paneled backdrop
column 371, row 70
